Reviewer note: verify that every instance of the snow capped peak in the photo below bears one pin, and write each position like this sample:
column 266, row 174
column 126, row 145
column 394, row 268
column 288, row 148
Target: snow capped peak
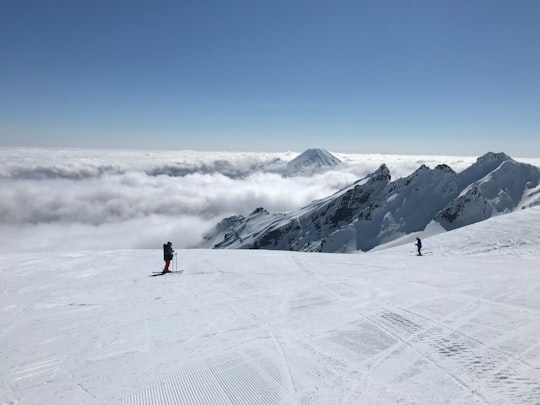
column 444, row 168
column 317, row 154
column 312, row 160
column 483, row 166
column 258, row 211
column 381, row 174
column 498, row 191
column 488, row 162
column 492, row 157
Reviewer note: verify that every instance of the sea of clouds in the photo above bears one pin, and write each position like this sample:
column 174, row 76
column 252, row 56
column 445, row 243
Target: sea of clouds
column 78, row 199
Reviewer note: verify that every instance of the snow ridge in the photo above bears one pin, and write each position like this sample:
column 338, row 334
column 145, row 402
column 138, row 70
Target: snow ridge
column 375, row 210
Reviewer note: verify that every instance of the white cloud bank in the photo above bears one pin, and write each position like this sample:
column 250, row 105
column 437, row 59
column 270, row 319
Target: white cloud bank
column 61, row 199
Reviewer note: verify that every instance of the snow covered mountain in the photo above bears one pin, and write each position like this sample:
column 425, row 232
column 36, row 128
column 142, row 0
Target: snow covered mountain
column 375, row 210
column 311, row 161
column 502, row 190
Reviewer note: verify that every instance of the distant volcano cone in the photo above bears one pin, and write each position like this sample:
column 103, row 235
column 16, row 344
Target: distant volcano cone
column 312, row 160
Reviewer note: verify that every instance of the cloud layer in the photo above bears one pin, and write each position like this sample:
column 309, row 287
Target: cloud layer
column 84, row 199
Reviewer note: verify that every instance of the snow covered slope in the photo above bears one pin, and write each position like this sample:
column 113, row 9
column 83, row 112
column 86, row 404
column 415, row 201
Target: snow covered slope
column 460, row 325
column 375, row 210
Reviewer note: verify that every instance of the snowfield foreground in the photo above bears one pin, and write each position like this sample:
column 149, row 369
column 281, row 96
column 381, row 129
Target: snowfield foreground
column 460, row 325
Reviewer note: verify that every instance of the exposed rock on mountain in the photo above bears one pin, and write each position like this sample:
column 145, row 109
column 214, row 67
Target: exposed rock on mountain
column 375, row 210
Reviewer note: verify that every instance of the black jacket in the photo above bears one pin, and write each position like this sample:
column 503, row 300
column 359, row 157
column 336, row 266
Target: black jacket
column 167, row 252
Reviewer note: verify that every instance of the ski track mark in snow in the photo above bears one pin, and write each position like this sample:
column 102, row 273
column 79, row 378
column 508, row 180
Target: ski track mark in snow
column 39, row 369
column 386, row 339
column 459, row 355
column 119, row 348
column 488, row 365
column 402, row 329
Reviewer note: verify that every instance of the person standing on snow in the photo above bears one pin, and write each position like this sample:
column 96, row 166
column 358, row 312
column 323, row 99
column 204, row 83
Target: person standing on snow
column 168, row 254
column 418, row 244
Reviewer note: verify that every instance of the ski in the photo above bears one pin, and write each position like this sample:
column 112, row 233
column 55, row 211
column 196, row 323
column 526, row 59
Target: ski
column 160, row 273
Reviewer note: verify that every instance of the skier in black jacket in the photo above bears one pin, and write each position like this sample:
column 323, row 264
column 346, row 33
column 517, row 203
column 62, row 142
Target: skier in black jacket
column 168, row 254
column 419, row 246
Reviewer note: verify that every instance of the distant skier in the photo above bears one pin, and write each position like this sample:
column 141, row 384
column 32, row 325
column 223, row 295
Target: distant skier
column 168, row 254
column 418, row 244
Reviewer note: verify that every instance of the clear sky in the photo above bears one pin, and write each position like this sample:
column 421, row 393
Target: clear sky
column 411, row 77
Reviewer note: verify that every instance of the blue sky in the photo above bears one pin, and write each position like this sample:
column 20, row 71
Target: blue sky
column 406, row 77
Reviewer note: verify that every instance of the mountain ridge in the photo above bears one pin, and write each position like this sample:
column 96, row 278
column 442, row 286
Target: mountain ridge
column 374, row 210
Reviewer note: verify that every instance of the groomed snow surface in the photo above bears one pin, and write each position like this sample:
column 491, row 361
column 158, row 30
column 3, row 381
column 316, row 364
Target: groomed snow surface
column 460, row 325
